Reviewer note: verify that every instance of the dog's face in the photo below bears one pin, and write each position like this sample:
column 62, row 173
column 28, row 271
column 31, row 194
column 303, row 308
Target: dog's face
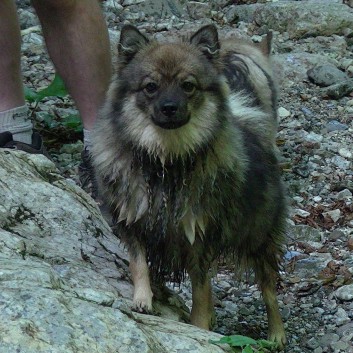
column 170, row 93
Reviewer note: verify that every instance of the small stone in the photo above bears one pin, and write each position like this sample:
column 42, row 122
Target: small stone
column 312, row 265
column 303, row 232
column 345, row 153
column 286, row 313
column 341, row 162
column 312, row 343
column 291, row 254
column 317, row 199
column 198, row 10
column 342, row 317
column 336, row 234
column 313, row 137
column 338, row 90
column 301, row 213
column 339, row 346
column 344, row 293
column 306, row 111
column 327, row 339
column 326, row 75
column 283, row 112
column 334, row 214
column 346, row 332
column 345, row 63
column 298, row 199
column 344, row 194
column 335, row 125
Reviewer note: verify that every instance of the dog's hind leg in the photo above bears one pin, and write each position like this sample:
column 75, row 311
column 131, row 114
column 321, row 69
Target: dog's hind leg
column 267, row 281
column 202, row 312
column 142, row 301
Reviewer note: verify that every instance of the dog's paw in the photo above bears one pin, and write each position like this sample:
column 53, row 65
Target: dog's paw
column 279, row 337
column 142, row 301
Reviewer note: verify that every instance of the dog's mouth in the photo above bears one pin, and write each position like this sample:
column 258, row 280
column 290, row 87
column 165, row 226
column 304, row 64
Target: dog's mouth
column 170, row 124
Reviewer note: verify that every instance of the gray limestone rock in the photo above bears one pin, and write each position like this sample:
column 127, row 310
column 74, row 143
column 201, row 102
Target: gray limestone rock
column 326, row 75
column 305, row 18
column 63, row 274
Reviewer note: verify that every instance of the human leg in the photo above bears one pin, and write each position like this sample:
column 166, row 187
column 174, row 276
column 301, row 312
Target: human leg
column 13, row 111
column 78, row 43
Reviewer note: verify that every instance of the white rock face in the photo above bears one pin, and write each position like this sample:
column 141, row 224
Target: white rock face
column 64, row 283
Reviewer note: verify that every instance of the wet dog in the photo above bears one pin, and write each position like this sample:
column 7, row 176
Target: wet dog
column 184, row 155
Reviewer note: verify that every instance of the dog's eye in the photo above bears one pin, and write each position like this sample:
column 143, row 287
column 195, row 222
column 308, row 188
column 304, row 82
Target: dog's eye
column 151, row 87
column 188, row 87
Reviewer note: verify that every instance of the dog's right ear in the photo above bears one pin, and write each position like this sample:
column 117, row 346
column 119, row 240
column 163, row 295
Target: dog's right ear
column 131, row 41
column 206, row 40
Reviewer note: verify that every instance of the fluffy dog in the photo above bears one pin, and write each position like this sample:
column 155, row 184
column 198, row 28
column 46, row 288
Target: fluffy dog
column 184, row 155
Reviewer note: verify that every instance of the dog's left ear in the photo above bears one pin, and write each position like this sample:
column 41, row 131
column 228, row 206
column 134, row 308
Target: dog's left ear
column 131, row 41
column 206, row 39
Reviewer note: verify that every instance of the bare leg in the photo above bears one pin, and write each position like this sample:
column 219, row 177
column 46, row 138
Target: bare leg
column 202, row 312
column 78, row 43
column 276, row 331
column 11, row 89
column 140, row 277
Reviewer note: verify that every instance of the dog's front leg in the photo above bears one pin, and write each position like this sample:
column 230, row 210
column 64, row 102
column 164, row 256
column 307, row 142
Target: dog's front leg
column 202, row 312
column 140, row 277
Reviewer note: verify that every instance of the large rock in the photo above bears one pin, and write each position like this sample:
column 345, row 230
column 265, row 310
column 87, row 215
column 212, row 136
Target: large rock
column 63, row 275
column 299, row 18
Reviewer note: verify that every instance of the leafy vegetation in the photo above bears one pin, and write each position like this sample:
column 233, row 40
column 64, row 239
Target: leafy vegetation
column 243, row 344
column 56, row 88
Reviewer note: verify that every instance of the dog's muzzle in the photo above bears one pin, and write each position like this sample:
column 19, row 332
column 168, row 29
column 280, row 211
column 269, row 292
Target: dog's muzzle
column 170, row 116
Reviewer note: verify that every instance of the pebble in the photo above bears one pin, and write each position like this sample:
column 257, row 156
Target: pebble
column 283, row 112
column 326, row 75
column 345, row 153
column 339, row 346
column 346, row 331
column 312, row 343
column 303, row 232
column 327, row 339
column 341, row 162
column 344, row 194
column 334, row 214
column 345, row 292
column 335, row 125
column 342, row 317
column 336, row 234
column 338, row 90
column 313, row 137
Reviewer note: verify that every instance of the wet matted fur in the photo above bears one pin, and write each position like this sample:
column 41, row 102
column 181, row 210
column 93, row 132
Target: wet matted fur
column 184, row 155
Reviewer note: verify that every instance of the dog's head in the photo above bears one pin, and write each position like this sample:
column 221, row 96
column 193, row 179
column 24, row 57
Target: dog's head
column 170, row 94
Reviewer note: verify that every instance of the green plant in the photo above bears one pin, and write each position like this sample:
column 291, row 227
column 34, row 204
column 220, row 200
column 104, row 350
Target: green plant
column 55, row 89
column 243, row 344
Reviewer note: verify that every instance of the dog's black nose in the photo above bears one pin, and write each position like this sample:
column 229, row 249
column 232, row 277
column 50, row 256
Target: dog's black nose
column 169, row 109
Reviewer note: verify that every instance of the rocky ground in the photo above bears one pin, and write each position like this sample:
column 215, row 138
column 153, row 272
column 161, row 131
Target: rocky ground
column 314, row 64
